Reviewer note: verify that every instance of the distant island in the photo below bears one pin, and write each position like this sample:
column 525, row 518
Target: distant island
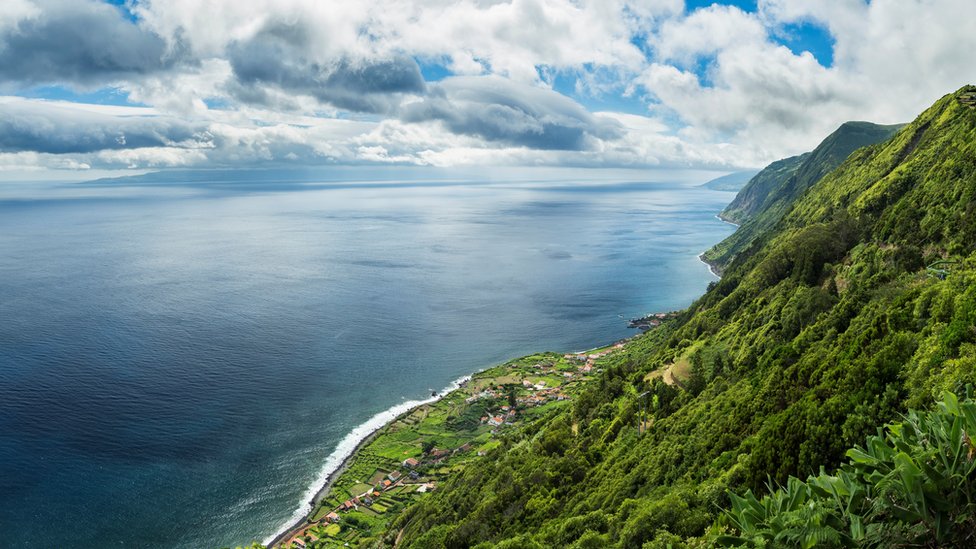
column 732, row 182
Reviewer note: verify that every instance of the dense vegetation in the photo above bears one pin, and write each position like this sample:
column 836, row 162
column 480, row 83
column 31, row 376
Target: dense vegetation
column 752, row 196
column 772, row 192
column 825, row 328
column 914, row 487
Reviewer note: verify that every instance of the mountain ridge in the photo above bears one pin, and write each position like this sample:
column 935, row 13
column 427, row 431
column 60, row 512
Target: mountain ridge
column 768, row 196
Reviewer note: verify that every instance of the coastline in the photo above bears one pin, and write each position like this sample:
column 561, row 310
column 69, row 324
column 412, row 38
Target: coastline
column 701, row 257
column 720, row 218
column 711, row 268
column 343, row 455
column 295, row 526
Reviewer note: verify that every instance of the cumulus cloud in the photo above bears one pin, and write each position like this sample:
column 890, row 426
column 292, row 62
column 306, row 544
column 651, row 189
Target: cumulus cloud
column 277, row 81
column 88, row 43
column 107, row 136
column 891, row 60
column 507, row 37
column 58, row 128
column 277, row 56
column 499, row 110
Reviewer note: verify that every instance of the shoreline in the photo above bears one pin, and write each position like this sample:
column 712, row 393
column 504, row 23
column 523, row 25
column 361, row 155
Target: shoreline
column 341, row 458
column 300, row 523
column 711, row 268
column 366, row 432
column 722, row 219
column 701, row 256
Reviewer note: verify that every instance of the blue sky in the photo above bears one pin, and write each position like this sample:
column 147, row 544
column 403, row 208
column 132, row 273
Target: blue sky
column 154, row 84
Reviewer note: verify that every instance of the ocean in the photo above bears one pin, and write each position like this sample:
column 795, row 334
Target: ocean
column 181, row 354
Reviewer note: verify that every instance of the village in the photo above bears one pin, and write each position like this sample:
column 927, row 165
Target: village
column 652, row 320
column 409, row 456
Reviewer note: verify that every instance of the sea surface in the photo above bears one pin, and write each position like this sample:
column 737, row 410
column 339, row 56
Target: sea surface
column 181, row 354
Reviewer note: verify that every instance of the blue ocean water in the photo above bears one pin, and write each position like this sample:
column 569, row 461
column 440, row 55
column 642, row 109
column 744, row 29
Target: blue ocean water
column 180, row 354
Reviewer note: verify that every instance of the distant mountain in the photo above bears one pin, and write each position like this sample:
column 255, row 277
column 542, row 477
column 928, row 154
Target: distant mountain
column 731, row 182
column 768, row 196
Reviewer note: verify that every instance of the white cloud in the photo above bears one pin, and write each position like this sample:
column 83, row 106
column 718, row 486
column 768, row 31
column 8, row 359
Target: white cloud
column 15, row 11
column 511, row 38
column 306, row 81
column 500, row 110
column 707, row 32
column 892, row 59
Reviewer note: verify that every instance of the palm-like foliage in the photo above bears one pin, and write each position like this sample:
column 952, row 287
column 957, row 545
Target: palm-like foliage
column 913, row 486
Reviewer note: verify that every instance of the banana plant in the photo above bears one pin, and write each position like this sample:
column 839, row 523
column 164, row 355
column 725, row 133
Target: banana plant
column 911, row 486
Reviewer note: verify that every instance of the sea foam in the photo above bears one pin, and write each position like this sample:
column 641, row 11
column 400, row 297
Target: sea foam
column 348, row 445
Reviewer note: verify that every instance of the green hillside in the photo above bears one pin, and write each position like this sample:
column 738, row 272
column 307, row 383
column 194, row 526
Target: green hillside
column 913, row 486
column 771, row 193
column 753, row 195
column 825, row 330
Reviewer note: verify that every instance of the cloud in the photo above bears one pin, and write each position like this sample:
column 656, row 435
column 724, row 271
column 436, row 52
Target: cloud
column 706, row 32
column 500, row 110
column 59, row 128
column 78, row 42
column 279, row 56
column 891, row 60
column 67, row 135
column 306, row 81
column 506, row 37
column 754, row 90
column 95, row 136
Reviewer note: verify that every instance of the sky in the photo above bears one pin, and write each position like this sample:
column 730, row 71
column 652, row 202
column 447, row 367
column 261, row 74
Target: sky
column 94, row 85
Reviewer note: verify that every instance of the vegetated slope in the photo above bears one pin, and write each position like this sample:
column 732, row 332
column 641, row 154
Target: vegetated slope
column 769, row 195
column 753, row 195
column 731, row 182
column 821, row 332
column 915, row 486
